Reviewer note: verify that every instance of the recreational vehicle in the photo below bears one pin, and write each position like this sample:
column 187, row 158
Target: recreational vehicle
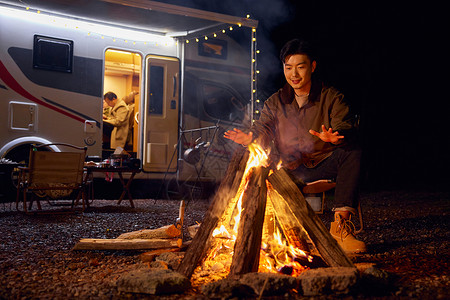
column 185, row 75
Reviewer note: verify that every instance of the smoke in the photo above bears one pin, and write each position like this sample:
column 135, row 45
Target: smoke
column 270, row 15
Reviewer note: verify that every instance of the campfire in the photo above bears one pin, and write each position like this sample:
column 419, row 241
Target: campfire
column 259, row 222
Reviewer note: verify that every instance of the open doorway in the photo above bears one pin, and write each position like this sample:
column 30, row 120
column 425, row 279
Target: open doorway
column 123, row 77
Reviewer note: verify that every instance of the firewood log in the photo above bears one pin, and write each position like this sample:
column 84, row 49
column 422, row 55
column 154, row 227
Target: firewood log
column 165, row 232
column 248, row 242
column 122, row 244
column 227, row 189
column 327, row 246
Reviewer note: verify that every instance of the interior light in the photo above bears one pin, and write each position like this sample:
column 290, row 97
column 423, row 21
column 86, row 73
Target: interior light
column 119, row 51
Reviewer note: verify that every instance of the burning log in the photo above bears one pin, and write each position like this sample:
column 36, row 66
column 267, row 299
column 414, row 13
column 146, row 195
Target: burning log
column 248, row 243
column 293, row 199
column 227, row 189
column 287, row 220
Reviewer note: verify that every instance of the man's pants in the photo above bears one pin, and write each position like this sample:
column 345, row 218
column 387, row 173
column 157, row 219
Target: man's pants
column 343, row 166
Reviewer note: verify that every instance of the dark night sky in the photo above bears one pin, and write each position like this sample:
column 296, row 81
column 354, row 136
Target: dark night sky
column 386, row 58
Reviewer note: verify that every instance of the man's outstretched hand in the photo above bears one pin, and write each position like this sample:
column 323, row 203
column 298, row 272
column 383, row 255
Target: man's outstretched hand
column 327, row 136
column 238, row 136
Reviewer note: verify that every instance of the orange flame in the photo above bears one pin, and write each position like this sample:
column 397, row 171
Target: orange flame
column 275, row 252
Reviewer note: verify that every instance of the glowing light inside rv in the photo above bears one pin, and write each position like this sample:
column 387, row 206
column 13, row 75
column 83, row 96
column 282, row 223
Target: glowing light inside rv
column 91, row 28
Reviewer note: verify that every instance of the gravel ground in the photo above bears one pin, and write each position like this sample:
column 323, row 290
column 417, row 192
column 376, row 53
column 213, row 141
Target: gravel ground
column 407, row 234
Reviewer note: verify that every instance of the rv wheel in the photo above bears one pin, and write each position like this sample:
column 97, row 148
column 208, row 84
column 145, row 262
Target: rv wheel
column 18, row 155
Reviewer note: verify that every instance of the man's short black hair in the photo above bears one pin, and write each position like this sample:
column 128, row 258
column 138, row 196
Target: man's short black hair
column 110, row 96
column 297, row 46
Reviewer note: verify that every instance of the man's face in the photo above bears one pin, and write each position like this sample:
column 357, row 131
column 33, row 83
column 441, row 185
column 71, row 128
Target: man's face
column 298, row 70
column 111, row 103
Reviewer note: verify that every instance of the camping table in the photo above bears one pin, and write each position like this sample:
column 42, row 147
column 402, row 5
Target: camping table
column 120, row 171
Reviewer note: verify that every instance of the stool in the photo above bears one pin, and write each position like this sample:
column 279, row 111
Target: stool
column 321, row 187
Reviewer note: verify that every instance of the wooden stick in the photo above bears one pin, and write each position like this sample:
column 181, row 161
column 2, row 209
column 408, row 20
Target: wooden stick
column 327, row 246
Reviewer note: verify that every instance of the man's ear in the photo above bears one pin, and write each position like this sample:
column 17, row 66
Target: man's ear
column 313, row 66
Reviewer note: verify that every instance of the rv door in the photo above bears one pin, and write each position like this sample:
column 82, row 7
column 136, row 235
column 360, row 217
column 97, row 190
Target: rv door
column 161, row 114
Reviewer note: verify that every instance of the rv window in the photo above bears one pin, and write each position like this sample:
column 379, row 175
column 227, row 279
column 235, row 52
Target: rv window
column 156, row 91
column 52, row 54
column 220, row 103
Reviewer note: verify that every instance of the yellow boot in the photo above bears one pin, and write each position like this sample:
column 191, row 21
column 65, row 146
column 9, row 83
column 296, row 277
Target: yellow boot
column 342, row 231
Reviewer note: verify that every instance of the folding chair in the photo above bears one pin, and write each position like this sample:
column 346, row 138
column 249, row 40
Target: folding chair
column 52, row 175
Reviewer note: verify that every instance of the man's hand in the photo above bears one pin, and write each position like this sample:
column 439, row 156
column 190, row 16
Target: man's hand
column 238, row 136
column 327, row 136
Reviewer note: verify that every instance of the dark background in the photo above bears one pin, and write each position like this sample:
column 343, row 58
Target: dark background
column 387, row 58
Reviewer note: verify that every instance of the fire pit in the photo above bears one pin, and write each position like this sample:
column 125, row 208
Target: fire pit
column 259, row 222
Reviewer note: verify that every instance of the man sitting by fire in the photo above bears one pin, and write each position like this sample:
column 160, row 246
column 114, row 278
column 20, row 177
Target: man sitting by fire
column 312, row 129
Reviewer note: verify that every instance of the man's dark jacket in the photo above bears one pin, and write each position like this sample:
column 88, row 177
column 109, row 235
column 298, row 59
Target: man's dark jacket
column 286, row 126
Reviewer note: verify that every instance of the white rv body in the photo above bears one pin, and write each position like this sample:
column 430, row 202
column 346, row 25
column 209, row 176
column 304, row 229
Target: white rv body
column 42, row 104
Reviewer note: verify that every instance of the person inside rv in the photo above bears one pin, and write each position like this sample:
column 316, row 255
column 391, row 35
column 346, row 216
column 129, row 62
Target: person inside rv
column 118, row 118
column 129, row 100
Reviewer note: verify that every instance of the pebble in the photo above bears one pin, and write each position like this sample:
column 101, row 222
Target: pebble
column 36, row 260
